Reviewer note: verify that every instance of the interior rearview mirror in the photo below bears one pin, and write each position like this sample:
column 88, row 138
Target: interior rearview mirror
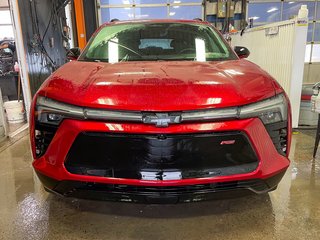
column 242, row 52
column 73, row 53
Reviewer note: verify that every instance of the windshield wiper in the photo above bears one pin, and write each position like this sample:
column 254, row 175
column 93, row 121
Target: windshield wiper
column 129, row 49
column 93, row 59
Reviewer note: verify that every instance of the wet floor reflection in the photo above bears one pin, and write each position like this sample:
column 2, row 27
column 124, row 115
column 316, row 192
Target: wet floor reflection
column 290, row 212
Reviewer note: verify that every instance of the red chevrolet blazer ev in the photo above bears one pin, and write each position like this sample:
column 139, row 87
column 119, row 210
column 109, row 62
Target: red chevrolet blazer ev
column 160, row 111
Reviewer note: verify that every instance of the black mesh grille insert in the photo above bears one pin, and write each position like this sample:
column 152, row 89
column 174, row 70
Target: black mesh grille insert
column 161, row 157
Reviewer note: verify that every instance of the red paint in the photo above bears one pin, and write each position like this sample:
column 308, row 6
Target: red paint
column 306, row 98
column 159, row 86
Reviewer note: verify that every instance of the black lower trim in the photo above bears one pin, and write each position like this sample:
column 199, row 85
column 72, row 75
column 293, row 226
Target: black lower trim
column 44, row 134
column 171, row 194
column 278, row 133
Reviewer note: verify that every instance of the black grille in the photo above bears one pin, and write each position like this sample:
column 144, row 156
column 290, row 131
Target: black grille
column 161, row 157
column 43, row 137
column 279, row 136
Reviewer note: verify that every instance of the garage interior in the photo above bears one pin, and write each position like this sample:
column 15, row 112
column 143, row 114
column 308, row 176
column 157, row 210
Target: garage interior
column 44, row 31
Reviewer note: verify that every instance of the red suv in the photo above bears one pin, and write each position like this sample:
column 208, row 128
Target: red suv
column 160, row 111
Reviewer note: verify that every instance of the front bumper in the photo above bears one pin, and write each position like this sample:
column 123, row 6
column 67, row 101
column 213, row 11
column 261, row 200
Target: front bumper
column 52, row 170
column 157, row 195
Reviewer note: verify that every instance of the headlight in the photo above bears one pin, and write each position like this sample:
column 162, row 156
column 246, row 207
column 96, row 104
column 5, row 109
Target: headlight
column 51, row 112
column 271, row 110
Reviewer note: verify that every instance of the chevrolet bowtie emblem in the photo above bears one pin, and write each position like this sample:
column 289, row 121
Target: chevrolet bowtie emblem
column 161, row 119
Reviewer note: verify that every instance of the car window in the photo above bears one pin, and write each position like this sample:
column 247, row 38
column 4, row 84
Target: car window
column 157, row 41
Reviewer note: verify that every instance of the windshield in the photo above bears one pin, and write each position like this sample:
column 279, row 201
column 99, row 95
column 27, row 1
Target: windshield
column 155, row 42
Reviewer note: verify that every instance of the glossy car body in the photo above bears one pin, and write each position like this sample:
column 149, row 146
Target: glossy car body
column 153, row 156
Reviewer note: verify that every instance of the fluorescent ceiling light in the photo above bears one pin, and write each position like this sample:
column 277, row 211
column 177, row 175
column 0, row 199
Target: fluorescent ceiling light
column 177, row 1
column 272, row 10
column 290, row 2
column 142, row 16
column 172, row 13
column 176, row 6
column 254, row 18
column 126, row 2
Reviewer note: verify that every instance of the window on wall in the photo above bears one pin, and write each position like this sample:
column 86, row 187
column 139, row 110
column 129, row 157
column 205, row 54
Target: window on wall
column 150, row 12
column 149, row 9
column 185, row 12
column 6, row 30
column 268, row 11
column 315, row 53
column 149, row 1
column 317, row 32
column 291, row 9
column 262, row 12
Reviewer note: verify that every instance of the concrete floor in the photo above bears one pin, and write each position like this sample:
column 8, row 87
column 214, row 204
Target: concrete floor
column 290, row 212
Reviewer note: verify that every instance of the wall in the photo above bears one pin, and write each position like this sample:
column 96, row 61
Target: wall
column 222, row 13
column 90, row 17
column 4, row 3
column 311, row 73
column 39, row 25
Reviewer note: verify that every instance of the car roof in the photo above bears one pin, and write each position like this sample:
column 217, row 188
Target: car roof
column 156, row 21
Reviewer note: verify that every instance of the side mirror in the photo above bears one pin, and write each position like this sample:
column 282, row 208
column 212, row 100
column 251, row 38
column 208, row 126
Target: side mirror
column 73, row 54
column 242, row 52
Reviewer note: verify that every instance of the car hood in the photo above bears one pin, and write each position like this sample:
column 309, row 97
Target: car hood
column 159, row 86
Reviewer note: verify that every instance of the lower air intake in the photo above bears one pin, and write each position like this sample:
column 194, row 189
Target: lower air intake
column 161, row 157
